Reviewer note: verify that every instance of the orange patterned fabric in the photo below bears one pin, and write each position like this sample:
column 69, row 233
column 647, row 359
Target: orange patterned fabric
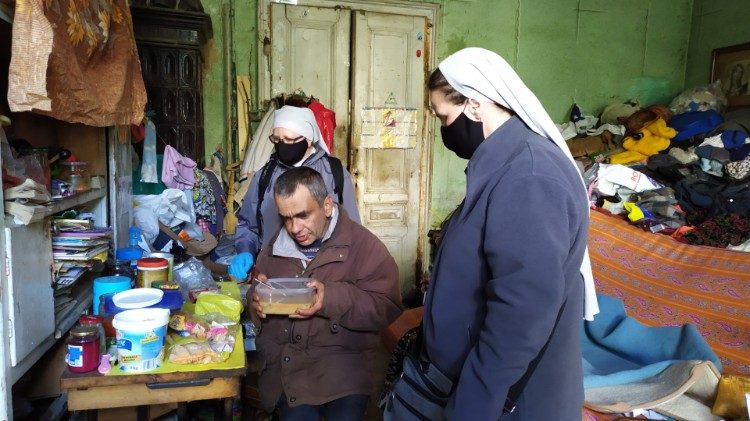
column 76, row 60
column 666, row 283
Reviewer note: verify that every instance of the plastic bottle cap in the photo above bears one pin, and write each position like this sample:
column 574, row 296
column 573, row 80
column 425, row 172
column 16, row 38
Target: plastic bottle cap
column 128, row 253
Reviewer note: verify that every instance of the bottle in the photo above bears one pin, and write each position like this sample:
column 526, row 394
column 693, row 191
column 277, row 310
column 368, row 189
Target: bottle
column 134, row 236
column 126, row 262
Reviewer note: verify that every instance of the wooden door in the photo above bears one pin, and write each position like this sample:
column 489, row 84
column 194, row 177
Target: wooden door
column 379, row 62
column 389, row 72
column 310, row 52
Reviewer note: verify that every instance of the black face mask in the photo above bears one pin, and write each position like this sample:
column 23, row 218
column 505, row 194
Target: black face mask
column 290, row 153
column 463, row 136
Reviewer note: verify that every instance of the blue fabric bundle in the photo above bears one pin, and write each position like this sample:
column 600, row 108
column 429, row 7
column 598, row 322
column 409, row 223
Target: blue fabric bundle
column 618, row 349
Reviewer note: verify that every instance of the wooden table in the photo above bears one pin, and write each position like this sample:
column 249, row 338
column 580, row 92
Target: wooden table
column 92, row 391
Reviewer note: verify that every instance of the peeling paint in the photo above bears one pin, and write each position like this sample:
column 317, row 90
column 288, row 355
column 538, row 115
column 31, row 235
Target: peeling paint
column 592, row 52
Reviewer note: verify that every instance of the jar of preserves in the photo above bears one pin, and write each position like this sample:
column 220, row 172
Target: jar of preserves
column 98, row 323
column 75, row 173
column 152, row 269
column 83, row 349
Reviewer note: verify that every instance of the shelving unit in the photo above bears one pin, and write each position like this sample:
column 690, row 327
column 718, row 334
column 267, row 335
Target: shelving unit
column 76, row 200
column 33, row 324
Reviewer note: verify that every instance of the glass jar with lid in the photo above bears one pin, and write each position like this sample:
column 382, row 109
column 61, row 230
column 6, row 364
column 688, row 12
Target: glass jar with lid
column 98, row 323
column 83, row 349
column 76, row 173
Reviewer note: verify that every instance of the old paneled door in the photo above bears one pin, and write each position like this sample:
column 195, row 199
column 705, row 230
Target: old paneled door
column 388, row 70
column 310, row 51
column 375, row 64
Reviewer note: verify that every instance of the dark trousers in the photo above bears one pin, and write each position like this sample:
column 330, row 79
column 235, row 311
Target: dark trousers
column 348, row 408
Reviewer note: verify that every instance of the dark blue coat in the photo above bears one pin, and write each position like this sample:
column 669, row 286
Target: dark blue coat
column 508, row 260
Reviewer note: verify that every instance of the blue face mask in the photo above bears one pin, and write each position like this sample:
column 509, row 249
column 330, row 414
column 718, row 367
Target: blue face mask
column 463, row 136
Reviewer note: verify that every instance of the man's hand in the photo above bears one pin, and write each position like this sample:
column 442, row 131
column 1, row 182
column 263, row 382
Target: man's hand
column 256, row 300
column 317, row 304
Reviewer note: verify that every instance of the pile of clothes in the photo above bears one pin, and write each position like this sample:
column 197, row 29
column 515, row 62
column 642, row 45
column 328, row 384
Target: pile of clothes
column 682, row 170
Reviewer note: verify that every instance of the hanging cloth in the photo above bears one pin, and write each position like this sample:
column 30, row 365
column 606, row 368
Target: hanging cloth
column 148, row 167
column 177, row 170
column 76, row 61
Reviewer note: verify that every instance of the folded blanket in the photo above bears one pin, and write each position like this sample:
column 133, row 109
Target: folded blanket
column 618, row 349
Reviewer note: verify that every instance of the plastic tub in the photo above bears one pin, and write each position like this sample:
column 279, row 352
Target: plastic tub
column 108, row 284
column 284, row 295
column 171, row 300
column 140, row 338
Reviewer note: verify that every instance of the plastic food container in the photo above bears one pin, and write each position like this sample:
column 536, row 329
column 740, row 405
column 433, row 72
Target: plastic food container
column 140, row 338
column 76, row 174
column 284, row 295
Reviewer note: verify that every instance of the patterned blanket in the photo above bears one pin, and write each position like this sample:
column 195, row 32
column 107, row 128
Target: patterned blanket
column 663, row 282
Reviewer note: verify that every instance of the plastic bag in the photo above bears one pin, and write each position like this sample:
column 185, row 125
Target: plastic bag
column 326, row 120
column 192, row 277
column 215, row 346
column 700, row 98
column 208, row 303
column 172, row 207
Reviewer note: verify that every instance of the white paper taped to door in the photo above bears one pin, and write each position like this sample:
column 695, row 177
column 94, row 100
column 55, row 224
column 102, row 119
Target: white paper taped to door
column 389, row 127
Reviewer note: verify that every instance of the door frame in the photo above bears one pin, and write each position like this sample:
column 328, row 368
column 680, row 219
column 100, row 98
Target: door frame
column 430, row 12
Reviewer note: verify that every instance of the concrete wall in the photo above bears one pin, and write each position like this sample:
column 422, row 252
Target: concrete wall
column 716, row 24
column 591, row 52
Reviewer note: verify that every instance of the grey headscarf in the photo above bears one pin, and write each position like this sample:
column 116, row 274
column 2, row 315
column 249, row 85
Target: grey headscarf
column 483, row 75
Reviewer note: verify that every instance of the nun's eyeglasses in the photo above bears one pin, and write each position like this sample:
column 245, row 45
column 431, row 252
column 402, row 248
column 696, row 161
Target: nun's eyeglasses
column 276, row 140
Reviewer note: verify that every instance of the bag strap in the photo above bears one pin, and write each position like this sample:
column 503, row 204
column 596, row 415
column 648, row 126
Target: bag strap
column 337, row 169
column 171, row 234
column 515, row 391
column 265, row 180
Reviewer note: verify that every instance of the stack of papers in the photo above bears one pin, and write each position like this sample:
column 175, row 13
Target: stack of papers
column 26, row 201
column 75, row 245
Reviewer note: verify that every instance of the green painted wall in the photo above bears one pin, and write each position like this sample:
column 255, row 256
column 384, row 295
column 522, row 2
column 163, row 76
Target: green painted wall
column 716, row 24
column 244, row 41
column 591, row 52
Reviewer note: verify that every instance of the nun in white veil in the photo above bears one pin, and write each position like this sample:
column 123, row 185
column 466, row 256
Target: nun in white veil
column 511, row 282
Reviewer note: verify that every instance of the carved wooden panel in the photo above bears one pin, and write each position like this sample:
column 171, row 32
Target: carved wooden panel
column 173, row 85
column 169, row 44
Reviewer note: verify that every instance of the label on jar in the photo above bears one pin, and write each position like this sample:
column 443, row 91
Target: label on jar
column 75, row 356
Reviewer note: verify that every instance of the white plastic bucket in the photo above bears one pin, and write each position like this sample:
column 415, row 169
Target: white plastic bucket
column 140, row 338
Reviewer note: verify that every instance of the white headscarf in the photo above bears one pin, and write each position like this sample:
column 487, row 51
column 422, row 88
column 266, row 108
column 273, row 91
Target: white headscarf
column 300, row 120
column 484, row 76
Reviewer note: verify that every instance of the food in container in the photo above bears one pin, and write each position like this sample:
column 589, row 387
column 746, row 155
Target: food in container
column 284, row 295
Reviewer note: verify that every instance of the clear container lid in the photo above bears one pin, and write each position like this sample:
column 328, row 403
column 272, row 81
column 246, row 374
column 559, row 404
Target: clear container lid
column 285, row 289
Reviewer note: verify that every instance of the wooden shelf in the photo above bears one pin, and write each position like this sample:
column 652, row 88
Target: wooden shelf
column 83, row 297
column 72, row 201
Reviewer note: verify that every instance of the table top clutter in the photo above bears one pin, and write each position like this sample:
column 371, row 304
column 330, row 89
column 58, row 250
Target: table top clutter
column 141, row 317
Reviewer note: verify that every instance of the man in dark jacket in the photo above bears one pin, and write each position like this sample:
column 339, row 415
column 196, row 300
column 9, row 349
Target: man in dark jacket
column 317, row 361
